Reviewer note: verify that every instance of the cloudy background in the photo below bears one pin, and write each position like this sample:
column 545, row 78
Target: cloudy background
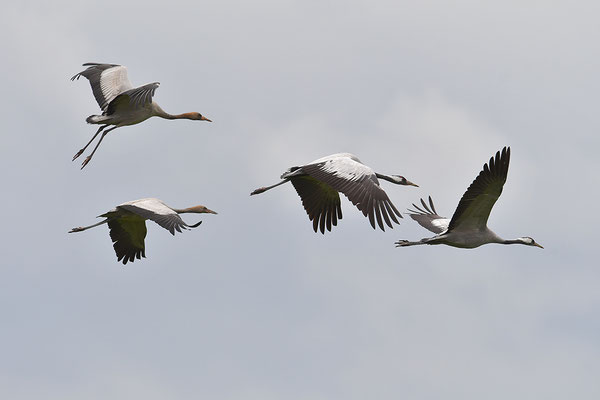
column 253, row 304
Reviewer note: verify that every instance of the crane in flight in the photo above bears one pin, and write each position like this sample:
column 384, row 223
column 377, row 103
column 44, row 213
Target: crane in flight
column 121, row 103
column 127, row 224
column 467, row 228
column 318, row 183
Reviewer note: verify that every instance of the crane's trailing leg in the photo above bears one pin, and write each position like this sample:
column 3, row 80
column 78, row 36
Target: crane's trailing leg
column 406, row 243
column 438, row 239
column 264, row 189
column 88, row 158
column 80, row 152
column 83, row 228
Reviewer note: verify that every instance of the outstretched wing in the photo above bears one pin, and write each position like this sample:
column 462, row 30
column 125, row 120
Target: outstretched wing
column 136, row 97
column 476, row 204
column 157, row 211
column 428, row 217
column 321, row 201
column 107, row 81
column 128, row 233
column 360, row 185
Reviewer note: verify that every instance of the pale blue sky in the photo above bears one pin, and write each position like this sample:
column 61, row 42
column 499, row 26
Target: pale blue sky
column 253, row 304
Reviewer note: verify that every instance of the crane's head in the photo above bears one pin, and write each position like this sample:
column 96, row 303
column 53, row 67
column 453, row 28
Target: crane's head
column 197, row 116
column 400, row 180
column 529, row 242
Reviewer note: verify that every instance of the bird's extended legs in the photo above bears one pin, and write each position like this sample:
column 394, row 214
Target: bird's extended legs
column 405, row 243
column 88, row 158
column 80, row 152
column 83, row 228
column 264, row 189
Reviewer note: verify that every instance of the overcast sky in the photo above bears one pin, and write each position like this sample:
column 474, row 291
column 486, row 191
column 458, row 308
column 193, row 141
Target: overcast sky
column 253, row 304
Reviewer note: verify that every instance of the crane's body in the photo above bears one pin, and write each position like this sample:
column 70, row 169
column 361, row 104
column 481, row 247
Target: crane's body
column 318, row 183
column 467, row 228
column 131, row 116
column 464, row 240
column 122, row 104
column 127, row 224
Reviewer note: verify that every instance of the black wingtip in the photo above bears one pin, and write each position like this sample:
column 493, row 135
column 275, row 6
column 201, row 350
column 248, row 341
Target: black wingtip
column 432, row 206
column 194, row 225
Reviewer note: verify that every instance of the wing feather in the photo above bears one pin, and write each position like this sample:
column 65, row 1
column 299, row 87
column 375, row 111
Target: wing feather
column 475, row 206
column 390, row 209
column 357, row 182
column 378, row 214
column 157, row 211
column 136, row 98
column 428, row 218
column 107, row 81
column 385, row 214
column 128, row 233
column 321, row 202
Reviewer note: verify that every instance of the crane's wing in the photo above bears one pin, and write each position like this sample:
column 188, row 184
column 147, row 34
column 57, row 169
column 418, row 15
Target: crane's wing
column 360, row 185
column 128, row 233
column 136, row 97
column 107, row 81
column 157, row 211
column 321, row 201
column 476, row 204
column 428, row 217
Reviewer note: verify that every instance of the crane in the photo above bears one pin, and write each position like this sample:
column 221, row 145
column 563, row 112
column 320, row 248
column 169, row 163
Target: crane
column 127, row 224
column 467, row 228
column 318, row 183
column 121, row 103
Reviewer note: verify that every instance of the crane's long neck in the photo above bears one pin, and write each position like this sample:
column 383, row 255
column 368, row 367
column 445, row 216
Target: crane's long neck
column 189, row 210
column 159, row 112
column 511, row 241
column 186, row 210
column 386, row 177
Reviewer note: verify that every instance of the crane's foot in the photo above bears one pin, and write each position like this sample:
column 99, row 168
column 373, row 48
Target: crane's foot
column 80, row 152
column 78, row 229
column 86, row 161
column 402, row 243
column 258, row 191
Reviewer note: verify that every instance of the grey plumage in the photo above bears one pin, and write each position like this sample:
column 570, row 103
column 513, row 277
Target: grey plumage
column 477, row 202
column 468, row 226
column 127, row 224
column 105, row 92
column 318, row 183
column 120, row 102
column 428, row 217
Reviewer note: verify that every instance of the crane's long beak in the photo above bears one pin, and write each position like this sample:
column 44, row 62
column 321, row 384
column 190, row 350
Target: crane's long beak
column 411, row 184
column 211, row 211
column 538, row 245
column 203, row 118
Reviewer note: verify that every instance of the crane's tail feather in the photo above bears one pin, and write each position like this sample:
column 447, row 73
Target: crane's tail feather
column 96, row 119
